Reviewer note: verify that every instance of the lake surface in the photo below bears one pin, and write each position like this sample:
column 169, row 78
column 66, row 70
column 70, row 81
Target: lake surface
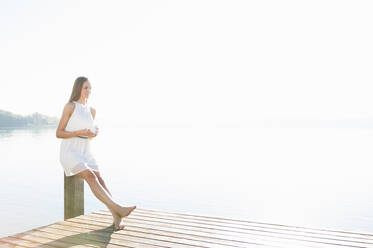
column 313, row 177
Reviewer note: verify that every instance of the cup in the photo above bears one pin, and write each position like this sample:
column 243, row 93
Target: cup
column 94, row 128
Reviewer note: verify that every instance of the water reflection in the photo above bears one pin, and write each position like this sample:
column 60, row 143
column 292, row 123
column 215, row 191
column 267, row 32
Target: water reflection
column 7, row 132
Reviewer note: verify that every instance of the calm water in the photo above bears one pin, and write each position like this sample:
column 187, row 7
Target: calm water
column 315, row 177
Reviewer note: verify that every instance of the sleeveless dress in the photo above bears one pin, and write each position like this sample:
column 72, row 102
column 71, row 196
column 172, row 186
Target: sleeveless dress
column 75, row 152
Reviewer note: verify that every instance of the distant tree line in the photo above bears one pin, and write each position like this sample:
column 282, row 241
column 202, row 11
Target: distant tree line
column 8, row 119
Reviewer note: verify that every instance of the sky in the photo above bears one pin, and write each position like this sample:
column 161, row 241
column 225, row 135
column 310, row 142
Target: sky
column 191, row 63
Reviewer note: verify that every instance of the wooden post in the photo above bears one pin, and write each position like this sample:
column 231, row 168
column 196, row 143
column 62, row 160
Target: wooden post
column 73, row 196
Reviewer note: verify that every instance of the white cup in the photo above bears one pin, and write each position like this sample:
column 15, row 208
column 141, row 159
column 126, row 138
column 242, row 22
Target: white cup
column 94, row 129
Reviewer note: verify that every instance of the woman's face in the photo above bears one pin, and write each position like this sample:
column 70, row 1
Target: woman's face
column 86, row 90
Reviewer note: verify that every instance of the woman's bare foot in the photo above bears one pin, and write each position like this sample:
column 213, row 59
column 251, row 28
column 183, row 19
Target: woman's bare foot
column 116, row 220
column 125, row 211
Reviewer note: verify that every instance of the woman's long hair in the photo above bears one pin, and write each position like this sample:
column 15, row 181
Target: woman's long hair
column 77, row 88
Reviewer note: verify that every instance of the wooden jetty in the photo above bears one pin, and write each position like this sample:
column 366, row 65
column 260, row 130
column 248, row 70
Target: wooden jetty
column 156, row 229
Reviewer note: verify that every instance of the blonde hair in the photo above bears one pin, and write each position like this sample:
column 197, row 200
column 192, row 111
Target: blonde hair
column 77, row 88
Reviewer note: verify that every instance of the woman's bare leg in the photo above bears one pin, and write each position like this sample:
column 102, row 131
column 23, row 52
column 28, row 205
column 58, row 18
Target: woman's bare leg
column 103, row 195
column 116, row 217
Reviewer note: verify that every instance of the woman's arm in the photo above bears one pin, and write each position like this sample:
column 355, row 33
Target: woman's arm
column 93, row 112
column 60, row 132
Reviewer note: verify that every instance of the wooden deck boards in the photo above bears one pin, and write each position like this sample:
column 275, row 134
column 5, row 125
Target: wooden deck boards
column 155, row 228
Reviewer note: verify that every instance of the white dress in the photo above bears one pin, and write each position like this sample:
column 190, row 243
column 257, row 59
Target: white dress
column 75, row 152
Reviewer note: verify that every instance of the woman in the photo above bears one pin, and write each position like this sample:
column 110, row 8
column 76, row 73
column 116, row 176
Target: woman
column 76, row 130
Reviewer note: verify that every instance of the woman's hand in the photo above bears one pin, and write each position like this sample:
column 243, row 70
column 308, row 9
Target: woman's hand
column 87, row 132
column 95, row 133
